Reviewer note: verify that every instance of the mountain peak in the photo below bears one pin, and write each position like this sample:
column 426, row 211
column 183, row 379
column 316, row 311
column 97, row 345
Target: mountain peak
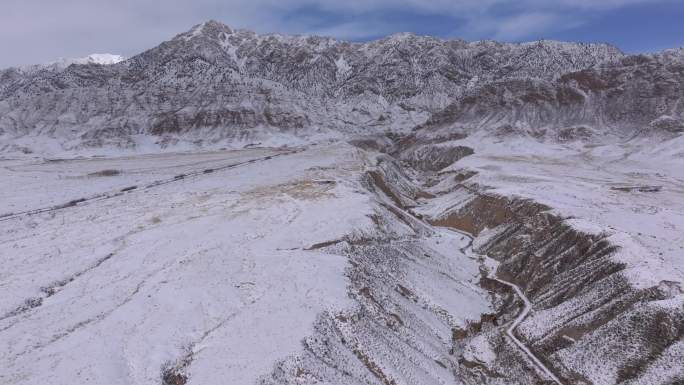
column 211, row 29
column 215, row 24
column 402, row 36
column 100, row 58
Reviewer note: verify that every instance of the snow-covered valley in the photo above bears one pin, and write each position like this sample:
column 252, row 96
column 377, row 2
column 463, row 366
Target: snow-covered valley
column 305, row 265
column 236, row 208
column 215, row 276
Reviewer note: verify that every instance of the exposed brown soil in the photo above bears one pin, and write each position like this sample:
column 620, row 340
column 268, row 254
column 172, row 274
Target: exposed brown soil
column 379, row 182
column 487, row 211
column 374, row 368
column 432, row 158
column 479, row 367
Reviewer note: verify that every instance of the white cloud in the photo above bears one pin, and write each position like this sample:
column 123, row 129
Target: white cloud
column 520, row 26
column 41, row 30
column 593, row 4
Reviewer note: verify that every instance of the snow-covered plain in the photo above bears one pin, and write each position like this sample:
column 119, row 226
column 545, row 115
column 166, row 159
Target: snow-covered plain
column 213, row 264
column 55, row 181
column 212, row 275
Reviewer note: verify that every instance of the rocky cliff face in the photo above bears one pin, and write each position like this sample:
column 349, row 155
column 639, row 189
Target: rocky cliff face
column 622, row 97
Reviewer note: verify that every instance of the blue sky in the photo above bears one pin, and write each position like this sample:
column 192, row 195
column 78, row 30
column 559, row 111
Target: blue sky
column 635, row 29
column 37, row 31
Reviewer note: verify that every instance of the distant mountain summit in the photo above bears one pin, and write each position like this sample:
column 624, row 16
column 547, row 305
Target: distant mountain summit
column 62, row 63
column 216, row 84
column 95, row 58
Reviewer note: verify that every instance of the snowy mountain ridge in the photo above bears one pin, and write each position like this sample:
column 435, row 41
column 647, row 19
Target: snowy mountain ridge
column 95, row 58
column 307, row 86
column 214, row 85
column 62, row 63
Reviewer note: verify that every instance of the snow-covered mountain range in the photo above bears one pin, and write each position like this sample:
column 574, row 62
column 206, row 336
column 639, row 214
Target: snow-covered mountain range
column 214, row 84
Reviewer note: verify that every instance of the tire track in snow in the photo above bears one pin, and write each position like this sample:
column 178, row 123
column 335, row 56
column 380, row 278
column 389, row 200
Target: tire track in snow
column 66, row 331
column 119, row 192
column 47, row 291
column 53, row 288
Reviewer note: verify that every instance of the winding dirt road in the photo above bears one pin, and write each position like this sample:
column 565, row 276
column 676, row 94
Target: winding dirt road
column 510, row 331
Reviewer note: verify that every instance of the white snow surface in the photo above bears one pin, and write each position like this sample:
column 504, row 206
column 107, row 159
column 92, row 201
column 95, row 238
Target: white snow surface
column 217, row 267
column 212, row 264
